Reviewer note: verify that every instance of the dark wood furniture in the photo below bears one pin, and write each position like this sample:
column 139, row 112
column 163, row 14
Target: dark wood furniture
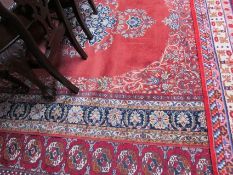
column 40, row 11
column 75, row 4
column 14, row 27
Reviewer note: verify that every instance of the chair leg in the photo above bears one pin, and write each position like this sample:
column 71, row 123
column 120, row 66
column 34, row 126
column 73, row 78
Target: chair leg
column 93, row 7
column 69, row 30
column 75, row 7
column 33, row 48
column 43, row 62
column 27, row 72
column 5, row 75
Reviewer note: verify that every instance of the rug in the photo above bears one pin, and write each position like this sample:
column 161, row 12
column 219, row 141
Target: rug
column 155, row 96
column 215, row 48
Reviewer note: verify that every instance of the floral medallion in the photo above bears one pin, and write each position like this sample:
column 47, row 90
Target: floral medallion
column 115, row 117
column 152, row 164
column 159, row 119
column 131, row 23
column 32, row 151
column 183, row 121
column 37, row 111
column 102, row 160
column 173, row 70
column 77, row 157
column 12, row 149
column 56, row 113
column 179, row 165
column 75, row 114
column 136, row 119
column 94, row 116
column 134, row 23
column 54, row 154
column 20, row 111
column 127, row 162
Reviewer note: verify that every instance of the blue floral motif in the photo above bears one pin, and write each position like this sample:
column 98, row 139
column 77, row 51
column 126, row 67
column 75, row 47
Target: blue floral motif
column 97, row 24
column 131, row 23
column 172, row 21
column 153, row 81
column 134, row 22
column 56, row 112
column 171, row 120
column 19, row 111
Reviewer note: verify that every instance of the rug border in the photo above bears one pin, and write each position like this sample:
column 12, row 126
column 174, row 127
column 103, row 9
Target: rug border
column 204, row 88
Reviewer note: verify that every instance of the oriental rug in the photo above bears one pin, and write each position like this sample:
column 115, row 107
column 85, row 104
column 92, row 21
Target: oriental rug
column 156, row 96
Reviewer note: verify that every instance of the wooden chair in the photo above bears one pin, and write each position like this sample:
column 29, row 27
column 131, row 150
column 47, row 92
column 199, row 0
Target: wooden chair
column 41, row 13
column 75, row 5
column 13, row 28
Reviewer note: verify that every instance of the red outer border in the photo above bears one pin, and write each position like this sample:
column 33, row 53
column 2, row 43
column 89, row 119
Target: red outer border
column 204, row 89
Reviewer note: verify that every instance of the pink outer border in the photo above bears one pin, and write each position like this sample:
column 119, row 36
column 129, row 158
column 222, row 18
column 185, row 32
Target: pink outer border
column 204, row 89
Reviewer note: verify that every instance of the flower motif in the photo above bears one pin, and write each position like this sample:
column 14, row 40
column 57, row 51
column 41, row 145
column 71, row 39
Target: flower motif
column 165, row 87
column 159, row 120
column 20, row 111
column 106, row 23
column 37, row 112
column 97, row 24
column 134, row 22
column 172, row 21
column 56, row 112
column 183, row 119
column 115, row 117
column 75, row 115
column 135, row 118
column 153, row 81
column 95, row 116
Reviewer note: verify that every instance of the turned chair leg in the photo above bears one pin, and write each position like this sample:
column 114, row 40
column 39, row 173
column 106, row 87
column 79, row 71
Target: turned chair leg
column 16, row 82
column 33, row 48
column 93, row 7
column 75, row 7
column 69, row 30
column 44, row 63
column 27, row 72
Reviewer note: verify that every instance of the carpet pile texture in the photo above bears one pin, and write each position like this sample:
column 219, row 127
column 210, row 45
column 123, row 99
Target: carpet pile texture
column 156, row 96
